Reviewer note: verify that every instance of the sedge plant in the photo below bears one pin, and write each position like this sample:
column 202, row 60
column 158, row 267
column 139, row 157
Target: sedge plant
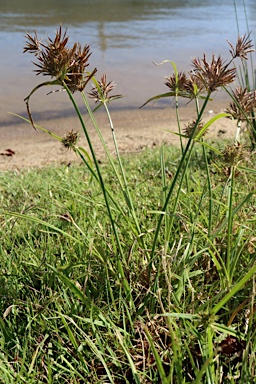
column 174, row 307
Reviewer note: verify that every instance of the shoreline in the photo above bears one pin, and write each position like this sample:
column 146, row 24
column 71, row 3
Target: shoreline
column 135, row 130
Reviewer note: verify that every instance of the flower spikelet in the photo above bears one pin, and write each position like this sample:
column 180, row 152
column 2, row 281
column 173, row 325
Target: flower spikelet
column 243, row 46
column 243, row 104
column 76, row 79
column 178, row 83
column 214, row 74
column 57, row 60
column 193, row 86
column 186, row 85
column 100, row 91
column 33, row 44
column 70, row 140
column 189, row 128
column 233, row 154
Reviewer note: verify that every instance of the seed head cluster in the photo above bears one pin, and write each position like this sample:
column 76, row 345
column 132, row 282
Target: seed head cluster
column 191, row 128
column 243, row 103
column 209, row 75
column 243, row 46
column 70, row 140
column 100, row 92
column 64, row 64
column 186, row 85
column 214, row 74
column 233, row 154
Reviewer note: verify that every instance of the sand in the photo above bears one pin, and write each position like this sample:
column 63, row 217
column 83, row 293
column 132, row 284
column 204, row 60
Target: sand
column 21, row 147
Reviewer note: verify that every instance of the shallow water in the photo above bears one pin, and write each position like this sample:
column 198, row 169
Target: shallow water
column 126, row 37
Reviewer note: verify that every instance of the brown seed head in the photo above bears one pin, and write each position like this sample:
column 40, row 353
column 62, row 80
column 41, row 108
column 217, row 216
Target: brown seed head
column 214, row 74
column 33, row 45
column 233, row 154
column 178, row 83
column 194, row 86
column 243, row 104
column 55, row 59
column 243, row 46
column 76, row 80
column 186, row 85
column 70, row 139
column 100, row 92
column 189, row 128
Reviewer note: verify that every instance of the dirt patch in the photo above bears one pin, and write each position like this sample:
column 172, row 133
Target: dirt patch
column 22, row 147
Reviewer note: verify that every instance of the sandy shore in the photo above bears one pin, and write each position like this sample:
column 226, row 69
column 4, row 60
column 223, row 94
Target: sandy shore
column 135, row 130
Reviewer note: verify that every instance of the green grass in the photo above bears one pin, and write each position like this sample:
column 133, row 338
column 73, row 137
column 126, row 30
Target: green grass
column 66, row 316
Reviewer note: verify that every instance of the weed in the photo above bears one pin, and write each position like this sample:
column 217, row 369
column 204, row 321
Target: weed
column 136, row 270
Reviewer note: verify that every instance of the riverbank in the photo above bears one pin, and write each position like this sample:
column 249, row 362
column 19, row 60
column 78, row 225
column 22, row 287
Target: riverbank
column 22, row 147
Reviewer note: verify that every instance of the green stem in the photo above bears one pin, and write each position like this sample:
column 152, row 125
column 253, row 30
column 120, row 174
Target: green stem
column 210, row 369
column 178, row 116
column 208, row 181
column 127, row 195
column 209, row 191
column 120, row 267
column 101, row 138
column 176, row 177
column 238, row 286
column 230, row 222
column 123, row 183
column 79, row 153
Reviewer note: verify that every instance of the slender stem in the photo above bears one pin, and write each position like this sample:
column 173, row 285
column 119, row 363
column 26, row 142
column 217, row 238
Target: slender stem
column 178, row 118
column 237, row 23
column 209, row 191
column 115, row 144
column 101, row 138
column 175, row 179
column 209, row 354
column 79, row 153
column 164, row 196
column 208, row 182
column 123, row 183
column 230, row 222
column 238, row 131
column 174, row 208
column 126, row 187
column 120, row 267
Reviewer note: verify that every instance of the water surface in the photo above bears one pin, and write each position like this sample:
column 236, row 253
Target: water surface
column 126, row 37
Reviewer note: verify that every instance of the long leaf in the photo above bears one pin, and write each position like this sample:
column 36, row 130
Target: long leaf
column 72, row 286
column 181, row 315
column 234, row 290
column 159, row 364
column 38, row 127
column 210, row 122
column 42, row 222
column 132, row 365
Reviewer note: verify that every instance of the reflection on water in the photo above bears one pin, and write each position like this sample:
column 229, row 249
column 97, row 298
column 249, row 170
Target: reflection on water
column 125, row 37
column 48, row 12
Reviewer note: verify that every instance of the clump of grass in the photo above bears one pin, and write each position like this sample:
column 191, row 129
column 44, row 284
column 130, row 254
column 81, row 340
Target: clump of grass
column 137, row 270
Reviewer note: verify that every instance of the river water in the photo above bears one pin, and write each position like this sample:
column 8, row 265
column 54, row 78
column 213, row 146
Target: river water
column 126, row 37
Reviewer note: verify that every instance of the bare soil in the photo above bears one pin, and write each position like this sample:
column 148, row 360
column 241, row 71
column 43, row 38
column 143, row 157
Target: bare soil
column 22, row 147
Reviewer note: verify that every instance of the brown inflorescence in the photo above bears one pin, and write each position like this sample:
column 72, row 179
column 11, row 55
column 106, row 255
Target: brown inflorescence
column 63, row 64
column 243, row 104
column 243, row 46
column 100, row 92
column 187, row 85
column 233, row 154
column 190, row 127
column 214, row 74
column 70, row 139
